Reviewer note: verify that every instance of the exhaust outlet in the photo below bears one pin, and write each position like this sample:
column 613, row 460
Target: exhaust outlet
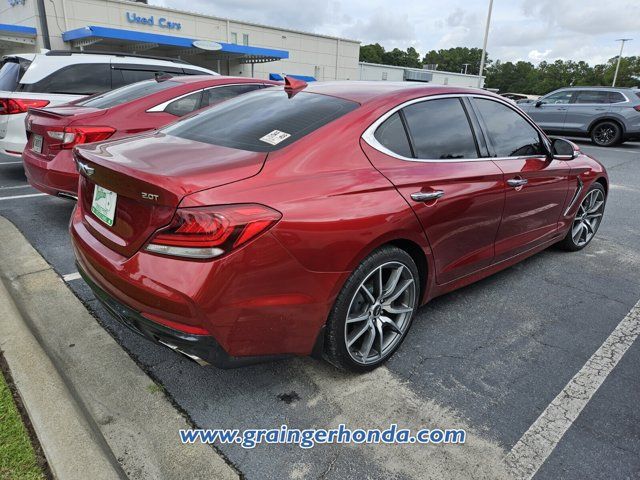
column 68, row 196
column 190, row 356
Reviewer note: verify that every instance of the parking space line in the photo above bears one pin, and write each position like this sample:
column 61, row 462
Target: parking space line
column 537, row 443
column 69, row 277
column 15, row 197
column 10, row 163
column 13, row 187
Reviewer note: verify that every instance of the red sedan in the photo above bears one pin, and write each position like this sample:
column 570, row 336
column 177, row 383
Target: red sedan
column 53, row 132
column 317, row 219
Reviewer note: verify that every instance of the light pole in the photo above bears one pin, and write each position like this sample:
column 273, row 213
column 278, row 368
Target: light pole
column 465, row 65
column 484, row 44
column 622, row 42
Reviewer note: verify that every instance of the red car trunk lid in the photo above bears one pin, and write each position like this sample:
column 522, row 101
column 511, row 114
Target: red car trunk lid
column 56, row 118
column 151, row 174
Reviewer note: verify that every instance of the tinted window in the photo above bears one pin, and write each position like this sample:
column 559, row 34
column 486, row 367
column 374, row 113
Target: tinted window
column 11, row 71
column 440, row 129
column 126, row 94
column 559, row 97
column 220, row 94
column 510, row 134
column 262, row 121
column 616, row 97
column 125, row 77
column 184, row 105
column 81, row 79
column 392, row 135
column 592, row 96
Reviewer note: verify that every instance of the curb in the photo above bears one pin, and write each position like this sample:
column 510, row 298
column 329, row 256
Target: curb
column 95, row 412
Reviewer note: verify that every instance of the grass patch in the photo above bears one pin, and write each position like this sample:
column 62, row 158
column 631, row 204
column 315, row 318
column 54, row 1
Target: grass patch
column 17, row 457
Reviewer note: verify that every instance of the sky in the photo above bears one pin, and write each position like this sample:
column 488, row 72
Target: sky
column 530, row 30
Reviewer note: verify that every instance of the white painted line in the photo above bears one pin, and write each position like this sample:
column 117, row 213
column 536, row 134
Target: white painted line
column 14, row 187
column 537, row 443
column 14, row 197
column 69, row 277
column 10, row 163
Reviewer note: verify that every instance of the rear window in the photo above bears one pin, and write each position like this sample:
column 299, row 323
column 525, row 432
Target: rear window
column 11, row 71
column 126, row 94
column 80, row 79
column 262, row 121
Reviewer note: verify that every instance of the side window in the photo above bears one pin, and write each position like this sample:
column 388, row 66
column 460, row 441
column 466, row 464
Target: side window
column 81, row 79
column 559, row 97
column 616, row 97
column 184, row 105
column 392, row 135
column 220, row 94
column 440, row 129
column 510, row 134
column 125, row 77
column 592, row 96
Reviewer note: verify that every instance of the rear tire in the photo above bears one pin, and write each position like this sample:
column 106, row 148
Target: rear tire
column 606, row 133
column 586, row 220
column 379, row 300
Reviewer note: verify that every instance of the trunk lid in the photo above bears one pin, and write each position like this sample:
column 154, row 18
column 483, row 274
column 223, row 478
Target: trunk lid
column 151, row 174
column 42, row 120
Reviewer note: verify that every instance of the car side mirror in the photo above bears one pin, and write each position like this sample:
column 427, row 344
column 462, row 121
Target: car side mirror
column 539, row 103
column 563, row 149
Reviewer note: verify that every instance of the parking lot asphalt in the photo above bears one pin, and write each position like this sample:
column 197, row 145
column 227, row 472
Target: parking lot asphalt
column 489, row 358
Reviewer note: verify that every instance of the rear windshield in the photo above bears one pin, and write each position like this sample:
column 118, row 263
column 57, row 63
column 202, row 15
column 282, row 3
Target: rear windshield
column 262, row 121
column 126, row 94
column 11, row 71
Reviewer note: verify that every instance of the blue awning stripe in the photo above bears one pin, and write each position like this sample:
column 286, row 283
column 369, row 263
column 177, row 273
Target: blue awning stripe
column 18, row 29
column 184, row 42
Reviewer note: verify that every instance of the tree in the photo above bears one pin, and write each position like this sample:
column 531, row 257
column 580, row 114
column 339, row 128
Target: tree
column 371, row 53
column 453, row 59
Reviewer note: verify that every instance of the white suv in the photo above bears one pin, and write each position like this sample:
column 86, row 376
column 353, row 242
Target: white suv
column 55, row 77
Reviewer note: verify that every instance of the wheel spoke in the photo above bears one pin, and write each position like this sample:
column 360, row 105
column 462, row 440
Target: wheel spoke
column 396, row 310
column 380, row 287
column 595, row 207
column 355, row 336
column 359, row 318
column 368, row 343
column 392, row 283
column 380, row 337
column 368, row 294
column 576, row 232
column 399, row 291
column 387, row 322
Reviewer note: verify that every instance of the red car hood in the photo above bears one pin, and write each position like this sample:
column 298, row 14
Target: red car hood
column 162, row 167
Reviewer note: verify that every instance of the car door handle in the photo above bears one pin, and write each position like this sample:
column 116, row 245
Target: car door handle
column 562, row 108
column 517, row 182
column 426, row 196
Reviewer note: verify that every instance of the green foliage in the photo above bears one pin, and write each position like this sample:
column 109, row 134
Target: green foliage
column 17, row 458
column 520, row 77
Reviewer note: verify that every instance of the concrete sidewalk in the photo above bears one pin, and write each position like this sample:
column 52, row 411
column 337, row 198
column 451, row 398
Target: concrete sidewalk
column 94, row 410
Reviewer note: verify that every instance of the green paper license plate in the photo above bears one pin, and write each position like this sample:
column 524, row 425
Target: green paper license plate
column 104, row 204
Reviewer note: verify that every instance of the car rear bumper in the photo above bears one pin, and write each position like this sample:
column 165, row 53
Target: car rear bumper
column 12, row 135
column 203, row 349
column 256, row 302
column 55, row 177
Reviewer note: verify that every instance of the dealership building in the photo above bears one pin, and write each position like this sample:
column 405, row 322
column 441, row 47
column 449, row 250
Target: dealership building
column 229, row 47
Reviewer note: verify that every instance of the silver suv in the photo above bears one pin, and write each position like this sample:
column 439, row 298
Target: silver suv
column 608, row 115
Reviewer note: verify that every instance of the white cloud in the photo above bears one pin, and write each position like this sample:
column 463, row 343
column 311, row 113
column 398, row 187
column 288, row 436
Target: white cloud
column 537, row 56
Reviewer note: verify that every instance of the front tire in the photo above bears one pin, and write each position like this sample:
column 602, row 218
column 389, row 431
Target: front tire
column 586, row 220
column 373, row 311
column 606, row 134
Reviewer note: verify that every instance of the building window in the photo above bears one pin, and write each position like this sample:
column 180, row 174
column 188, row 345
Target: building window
column 245, row 39
column 384, row 75
column 234, row 38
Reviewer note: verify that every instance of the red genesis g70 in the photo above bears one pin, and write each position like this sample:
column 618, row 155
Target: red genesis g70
column 317, row 219
column 53, row 132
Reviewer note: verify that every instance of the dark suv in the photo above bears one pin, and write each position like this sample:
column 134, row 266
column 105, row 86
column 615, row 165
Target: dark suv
column 608, row 115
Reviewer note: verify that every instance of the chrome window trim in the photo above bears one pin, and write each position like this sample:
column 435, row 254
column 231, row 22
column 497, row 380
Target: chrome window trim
column 369, row 134
column 161, row 106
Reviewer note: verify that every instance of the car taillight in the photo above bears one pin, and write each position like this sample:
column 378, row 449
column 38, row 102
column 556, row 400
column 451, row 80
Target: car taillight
column 637, row 107
column 69, row 137
column 208, row 232
column 11, row 106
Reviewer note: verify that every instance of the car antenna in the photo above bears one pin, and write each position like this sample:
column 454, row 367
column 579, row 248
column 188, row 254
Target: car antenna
column 293, row 85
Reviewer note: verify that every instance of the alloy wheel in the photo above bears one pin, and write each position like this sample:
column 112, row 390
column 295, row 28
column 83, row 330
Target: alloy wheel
column 380, row 312
column 605, row 134
column 588, row 217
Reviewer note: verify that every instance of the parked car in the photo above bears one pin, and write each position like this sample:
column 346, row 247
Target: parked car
column 319, row 218
column 56, row 77
column 53, row 132
column 519, row 97
column 608, row 115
